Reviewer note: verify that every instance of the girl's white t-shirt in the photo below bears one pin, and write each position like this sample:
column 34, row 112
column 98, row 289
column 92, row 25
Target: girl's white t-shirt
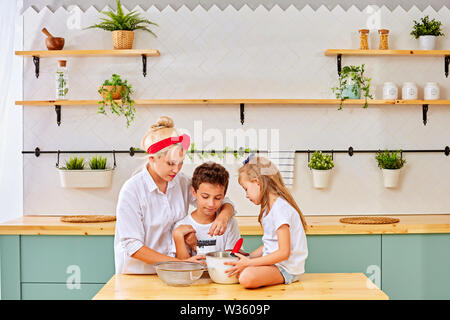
column 283, row 213
column 145, row 217
column 207, row 243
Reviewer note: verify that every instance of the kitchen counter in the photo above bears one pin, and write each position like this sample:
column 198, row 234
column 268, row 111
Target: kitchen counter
column 318, row 225
column 312, row 286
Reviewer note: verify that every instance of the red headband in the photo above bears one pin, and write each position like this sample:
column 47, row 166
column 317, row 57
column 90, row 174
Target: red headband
column 157, row 146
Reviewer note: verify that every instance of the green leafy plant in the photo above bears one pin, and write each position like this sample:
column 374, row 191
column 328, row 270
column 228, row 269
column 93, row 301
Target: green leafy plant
column 126, row 105
column 121, row 21
column 426, row 27
column 320, row 161
column 98, row 163
column 74, row 163
column 202, row 155
column 390, row 160
column 352, row 76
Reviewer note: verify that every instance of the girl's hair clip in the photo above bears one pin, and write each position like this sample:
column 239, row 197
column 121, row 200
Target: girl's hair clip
column 248, row 159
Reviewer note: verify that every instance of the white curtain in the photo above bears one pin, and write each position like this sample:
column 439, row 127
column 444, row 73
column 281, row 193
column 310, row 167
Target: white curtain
column 10, row 116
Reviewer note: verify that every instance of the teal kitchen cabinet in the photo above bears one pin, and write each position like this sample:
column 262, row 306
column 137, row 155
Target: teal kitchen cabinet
column 345, row 254
column 59, row 291
column 416, row 266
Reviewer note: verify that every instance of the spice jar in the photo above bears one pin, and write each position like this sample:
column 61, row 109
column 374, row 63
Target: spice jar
column 431, row 91
column 383, row 39
column 363, row 39
column 62, row 87
column 390, row 91
column 409, row 91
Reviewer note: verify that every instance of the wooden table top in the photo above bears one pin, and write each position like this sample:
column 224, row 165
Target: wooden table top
column 312, row 286
column 317, row 225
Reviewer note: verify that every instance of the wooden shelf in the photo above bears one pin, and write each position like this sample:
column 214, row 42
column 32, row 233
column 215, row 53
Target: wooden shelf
column 237, row 101
column 72, row 53
column 37, row 55
column 358, row 52
column 422, row 53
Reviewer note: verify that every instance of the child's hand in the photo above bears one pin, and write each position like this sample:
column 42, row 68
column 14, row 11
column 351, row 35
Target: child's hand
column 218, row 227
column 239, row 266
column 198, row 259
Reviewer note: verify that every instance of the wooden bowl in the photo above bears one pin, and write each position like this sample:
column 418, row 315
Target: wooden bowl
column 54, row 43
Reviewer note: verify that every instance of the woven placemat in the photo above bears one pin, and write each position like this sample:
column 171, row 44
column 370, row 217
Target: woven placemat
column 88, row 218
column 369, row 220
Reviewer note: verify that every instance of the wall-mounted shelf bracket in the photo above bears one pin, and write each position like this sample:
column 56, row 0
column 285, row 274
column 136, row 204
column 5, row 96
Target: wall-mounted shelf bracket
column 36, row 61
column 242, row 110
column 350, row 151
column 58, row 114
column 144, row 65
column 424, row 113
column 339, row 63
column 447, row 62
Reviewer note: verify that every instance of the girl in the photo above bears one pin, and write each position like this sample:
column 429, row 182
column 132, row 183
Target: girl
column 152, row 201
column 281, row 258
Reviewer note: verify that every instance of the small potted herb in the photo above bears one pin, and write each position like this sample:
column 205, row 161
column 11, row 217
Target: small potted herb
column 321, row 165
column 122, row 26
column 352, row 83
column 390, row 164
column 115, row 89
column 426, row 31
column 75, row 175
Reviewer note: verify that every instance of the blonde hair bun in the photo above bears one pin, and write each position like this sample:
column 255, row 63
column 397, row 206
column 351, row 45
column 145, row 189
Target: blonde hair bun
column 162, row 122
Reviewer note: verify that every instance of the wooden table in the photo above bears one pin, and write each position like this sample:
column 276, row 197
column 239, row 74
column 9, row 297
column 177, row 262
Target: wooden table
column 312, row 286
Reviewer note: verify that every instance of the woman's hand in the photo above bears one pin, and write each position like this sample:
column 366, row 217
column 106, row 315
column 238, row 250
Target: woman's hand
column 238, row 266
column 191, row 240
column 183, row 230
column 219, row 226
column 197, row 259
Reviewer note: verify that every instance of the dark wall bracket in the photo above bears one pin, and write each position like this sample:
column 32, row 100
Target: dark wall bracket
column 424, row 113
column 242, row 110
column 144, row 65
column 58, row 114
column 36, row 61
column 339, row 63
column 447, row 62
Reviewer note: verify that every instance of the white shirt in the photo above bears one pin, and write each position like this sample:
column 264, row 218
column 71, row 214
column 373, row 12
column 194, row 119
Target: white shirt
column 283, row 213
column 145, row 217
column 206, row 243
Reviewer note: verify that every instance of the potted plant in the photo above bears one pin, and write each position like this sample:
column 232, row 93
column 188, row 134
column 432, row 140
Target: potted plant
column 426, row 31
column 390, row 164
column 122, row 26
column 74, row 174
column 352, row 83
column 115, row 89
column 321, row 165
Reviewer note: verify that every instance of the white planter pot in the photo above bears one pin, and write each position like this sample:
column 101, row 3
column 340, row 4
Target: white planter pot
column 427, row 42
column 85, row 178
column 321, row 178
column 391, row 177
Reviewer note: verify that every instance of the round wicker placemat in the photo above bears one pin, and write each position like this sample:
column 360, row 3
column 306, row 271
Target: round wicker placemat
column 369, row 220
column 88, row 218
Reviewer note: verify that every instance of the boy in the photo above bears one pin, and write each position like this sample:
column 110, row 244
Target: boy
column 209, row 186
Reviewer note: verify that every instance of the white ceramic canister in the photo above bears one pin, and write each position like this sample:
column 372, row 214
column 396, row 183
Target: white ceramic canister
column 409, row 91
column 431, row 91
column 390, row 91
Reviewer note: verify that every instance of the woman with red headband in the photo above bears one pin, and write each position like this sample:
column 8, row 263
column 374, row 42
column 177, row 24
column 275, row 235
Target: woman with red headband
column 152, row 201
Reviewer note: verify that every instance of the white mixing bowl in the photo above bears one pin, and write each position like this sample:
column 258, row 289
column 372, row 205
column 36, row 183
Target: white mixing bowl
column 216, row 268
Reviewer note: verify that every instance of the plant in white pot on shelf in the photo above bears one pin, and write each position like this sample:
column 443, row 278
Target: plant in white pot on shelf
column 390, row 164
column 321, row 165
column 75, row 175
column 427, row 31
column 352, row 83
column 122, row 26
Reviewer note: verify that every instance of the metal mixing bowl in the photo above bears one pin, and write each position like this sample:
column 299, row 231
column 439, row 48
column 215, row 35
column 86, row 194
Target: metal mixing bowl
column 179, row 273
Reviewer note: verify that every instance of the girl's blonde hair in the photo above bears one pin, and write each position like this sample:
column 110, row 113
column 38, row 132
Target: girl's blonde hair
column 269, row 176
column 162, row 129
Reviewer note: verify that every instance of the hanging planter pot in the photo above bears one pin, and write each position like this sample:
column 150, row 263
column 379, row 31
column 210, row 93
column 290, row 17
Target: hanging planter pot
column 321, row 166
column 74, row 175
column 321, row 178
column 390, row 164
column 391, row 177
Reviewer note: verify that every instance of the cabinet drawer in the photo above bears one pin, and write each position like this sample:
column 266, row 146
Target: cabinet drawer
column 59, row 291
column 82, row 259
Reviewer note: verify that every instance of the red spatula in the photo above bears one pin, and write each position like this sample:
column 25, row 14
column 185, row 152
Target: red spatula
column 237, row 246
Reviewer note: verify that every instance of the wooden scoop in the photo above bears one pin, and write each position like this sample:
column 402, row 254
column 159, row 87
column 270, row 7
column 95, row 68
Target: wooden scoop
column 53, row 43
